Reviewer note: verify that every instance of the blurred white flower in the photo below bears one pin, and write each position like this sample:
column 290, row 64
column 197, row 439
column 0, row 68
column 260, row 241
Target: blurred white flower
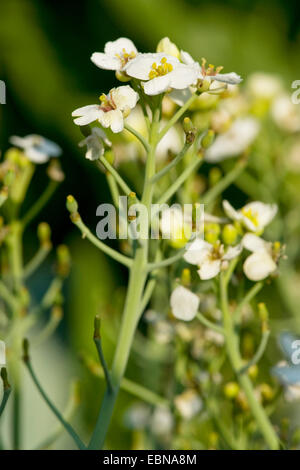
column 161, row 72
column 36, row 148
column 184, row 303
column 210, row 258
column 2, row 354
column 263, row 86
column 95, row 143
column 116, row 54
column 162, row 421
column 260, row 264
column 137, row 416
column 286, row 114
column 112, row 110
column 255, row 216
column 188, row 404
column 214, row 337
column 234, row 141
column 292, row 393
column 210, row 73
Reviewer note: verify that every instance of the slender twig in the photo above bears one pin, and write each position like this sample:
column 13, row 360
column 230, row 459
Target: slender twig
column 8, row 296
column 6, row 390
column 99, row 244
column 137, row 135
column 231, row 176
column 173, row 163
column 247, row 299
column 166, row 262
column 98, row 344
column 259, row 353
column 40, row 203
column 124, row 186
column 177, row 116
column 209, row 324
column 52, row 407
column 180, row 180
column 114, row 190
column 37, row 260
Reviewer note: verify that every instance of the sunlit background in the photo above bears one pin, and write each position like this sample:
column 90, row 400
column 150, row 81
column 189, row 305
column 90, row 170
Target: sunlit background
column 45, row 62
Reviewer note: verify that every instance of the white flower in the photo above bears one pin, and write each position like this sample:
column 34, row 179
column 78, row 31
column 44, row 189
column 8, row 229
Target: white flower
column 2, row 354
column 263, row 85
column 95, row 143
column 233, row 142
column 162, row 421
column 188, row 404
column 36, row 148
column 254, row 216
column 286, row 114
column 184, row 303
column 161, row 72
column 292, row 393
column 260, row 264
column 210, row 258
column 116, row 54
column 210, row 73
column 111, row 111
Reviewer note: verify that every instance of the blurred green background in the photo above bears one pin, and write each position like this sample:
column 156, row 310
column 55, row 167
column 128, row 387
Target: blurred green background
column 45, row 62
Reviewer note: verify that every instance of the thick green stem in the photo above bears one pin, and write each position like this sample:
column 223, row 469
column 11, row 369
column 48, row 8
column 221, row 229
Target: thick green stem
column 232, row 346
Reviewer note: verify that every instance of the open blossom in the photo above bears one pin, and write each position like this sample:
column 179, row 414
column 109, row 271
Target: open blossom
column 36, row 148
column 210, row 258
column 233, row 142
column 112, row 110
column 263, row 260
column 255, row 216
column 184, row 303
column 95, row 143
column 116, row 54
column 210, row 73
column 161, row 72
column 2, row 354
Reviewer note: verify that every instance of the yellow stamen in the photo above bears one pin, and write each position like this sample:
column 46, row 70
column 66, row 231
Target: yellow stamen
column 159, row 70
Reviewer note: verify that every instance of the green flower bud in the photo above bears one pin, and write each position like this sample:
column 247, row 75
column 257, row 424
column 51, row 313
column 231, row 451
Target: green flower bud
column 253, row 371
column 231, row 390
column 186, row 277
column 229, row 234
column 212, row 232
column 71, row 204
column 263, row 312
column 168, row 47
column 63, row 260
column 44, row 233
column 214, row 176
column 208, row 139
column 122, row 76
column 131, row 201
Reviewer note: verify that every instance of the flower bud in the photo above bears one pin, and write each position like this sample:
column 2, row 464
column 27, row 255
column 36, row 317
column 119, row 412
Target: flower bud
column 212, row 232
column 204, row 85
column 231, row 390
column 229, row 234
column 186, row 277
column 189, row 129
column 122, row 76
column 165, row 45
column 214, row 176
column 208, row 139
column 44, row 234
column 71, row 204
column 263, row 312
column 253, row 372
column 57, row 313
column 266, row 392
column 131, row 201
column 63, row 260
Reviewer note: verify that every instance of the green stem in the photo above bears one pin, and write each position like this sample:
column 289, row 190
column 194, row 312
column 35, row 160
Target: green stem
column 40, row 203
column 232, row 347
column 138, row 136
column 173, row 163
column 61, row 419
column 36, row 261
column 209, row 324
column 98, row 344
column 259, row 353
column 247, row 299
column 166, row 262
column 115, row 175
column 99, row 244
column 177, row 116
column 137, row 280
column 114, row 190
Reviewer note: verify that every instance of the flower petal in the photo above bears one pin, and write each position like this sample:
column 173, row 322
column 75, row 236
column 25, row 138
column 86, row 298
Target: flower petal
column 209, row 269
column 184, row 304
column 85, row 109
column 142, row 64
column 232, row 78
column 158, row 85
column 265, row 213
column 254, row 243
column 106, row 62
column 259, row 265
column 124, row 97
column 230, row 211
column 116, row 47
column 197, row 251
column 233, row 252
column 36, row 156
column 183, row 76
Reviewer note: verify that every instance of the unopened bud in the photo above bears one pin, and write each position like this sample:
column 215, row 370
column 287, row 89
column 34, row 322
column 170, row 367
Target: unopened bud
column 186, row 277
column 229, row 234
column 231, row 390
column 131, row 201
column 212, row 232
column 189, row 129
column 57, row 313
column 72, row 205
column 208, row 139
column 168, row 47
column 253, row 371
column 55, row 171
column 63, row 260
column 266, row 392
column 44, row 234
column 214, row 176
column 204, row 85
column 122, row 76
column 263, row 312
column 3, row 374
